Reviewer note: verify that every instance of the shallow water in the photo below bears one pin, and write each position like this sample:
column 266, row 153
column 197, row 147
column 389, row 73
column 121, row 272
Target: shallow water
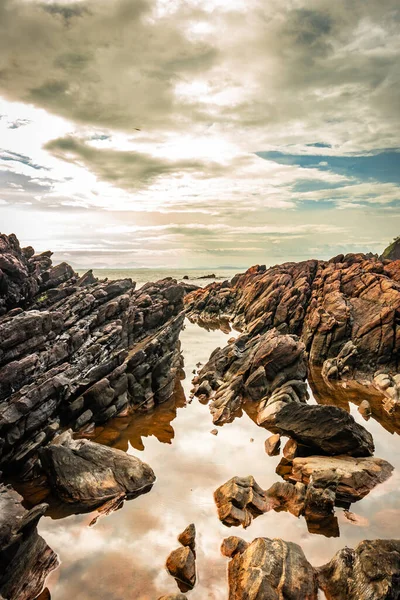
column 123, row 555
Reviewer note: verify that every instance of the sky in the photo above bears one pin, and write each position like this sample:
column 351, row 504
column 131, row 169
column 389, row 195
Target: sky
column 199, row 133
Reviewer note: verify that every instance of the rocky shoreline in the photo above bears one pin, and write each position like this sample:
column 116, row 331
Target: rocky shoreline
column 76, row 352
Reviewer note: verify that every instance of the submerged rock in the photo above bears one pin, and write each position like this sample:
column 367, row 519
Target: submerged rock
column 87, row 474
column 270, row 569
column 25, row 558
column 370, row 572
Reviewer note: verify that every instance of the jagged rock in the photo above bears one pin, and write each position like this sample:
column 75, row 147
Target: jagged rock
column 268, row 369
column 84, row 352
column 87, row 474
column 270, row 569
column 353, row 298
column 329, row 429
column 370, row 572
column 181, row 564
column 188, row 537
column 239, row 500
column 355, row 477
column 25, row 558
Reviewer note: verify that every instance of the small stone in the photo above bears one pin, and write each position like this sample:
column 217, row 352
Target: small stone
column 273, row 445
column 188, row 536
column 214, row 431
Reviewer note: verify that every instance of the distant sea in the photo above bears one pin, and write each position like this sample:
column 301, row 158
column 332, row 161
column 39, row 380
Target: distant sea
column 142, row 276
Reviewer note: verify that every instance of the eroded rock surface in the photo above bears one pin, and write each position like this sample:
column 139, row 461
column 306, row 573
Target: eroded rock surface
column 268, row 369
column 370, row 572
column 87, row 474
column 25, row 558
column 354, row 477
column 78, row 352
column 345, row 310
column 181, row 565
column 270, row 569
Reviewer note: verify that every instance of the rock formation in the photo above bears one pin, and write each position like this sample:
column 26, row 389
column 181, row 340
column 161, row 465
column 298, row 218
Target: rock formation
column 346, row 310
column 181, row 563
column 277, row 569
column 314, row 486
column 270, row 569
column 80, row 352
column 25, row 558
column 370, row 572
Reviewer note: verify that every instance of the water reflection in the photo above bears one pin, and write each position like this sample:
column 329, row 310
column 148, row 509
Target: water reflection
column 123, row 555
column 354, row 392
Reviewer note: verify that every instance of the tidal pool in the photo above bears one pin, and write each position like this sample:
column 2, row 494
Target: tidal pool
column 123, row 556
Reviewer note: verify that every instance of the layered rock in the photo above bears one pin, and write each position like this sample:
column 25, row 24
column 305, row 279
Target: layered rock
column 25, row 275
column 86, row 474
column 345, row 310
column 270, row 569
column 370, row 572
column 85, row 357
column 267, row 369
column 25, row 558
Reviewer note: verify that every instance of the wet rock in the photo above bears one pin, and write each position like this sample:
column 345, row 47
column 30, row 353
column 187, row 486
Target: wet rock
column 214, row 431
column 343, row 309
column 181, row 565
column 354, row 477
column 240, row 500
column 25, row 558
column 329, row 429
column 273, row 445
column 270, row 569
column 80, row 352
column 87, row 474
column 268, row 369
column 370, row 572
column 188, row 537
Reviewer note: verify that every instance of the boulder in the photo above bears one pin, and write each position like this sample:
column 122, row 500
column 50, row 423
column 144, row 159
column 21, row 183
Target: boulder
column 270, row 569
column 188, row 537
column 87, row 474
column 327, row 429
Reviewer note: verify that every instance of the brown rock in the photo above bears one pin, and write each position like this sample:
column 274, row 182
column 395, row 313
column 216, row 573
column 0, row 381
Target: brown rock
column 271, row 569
column 273, row 445
column 182, row 566
column 370, row 572
column 188, row 537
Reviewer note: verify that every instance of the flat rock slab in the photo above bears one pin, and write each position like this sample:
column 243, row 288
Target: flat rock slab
column 324, row 428
column 269, row 569
column 87, row 474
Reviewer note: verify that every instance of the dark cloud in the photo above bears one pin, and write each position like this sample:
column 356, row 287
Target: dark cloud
column 124, row 169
